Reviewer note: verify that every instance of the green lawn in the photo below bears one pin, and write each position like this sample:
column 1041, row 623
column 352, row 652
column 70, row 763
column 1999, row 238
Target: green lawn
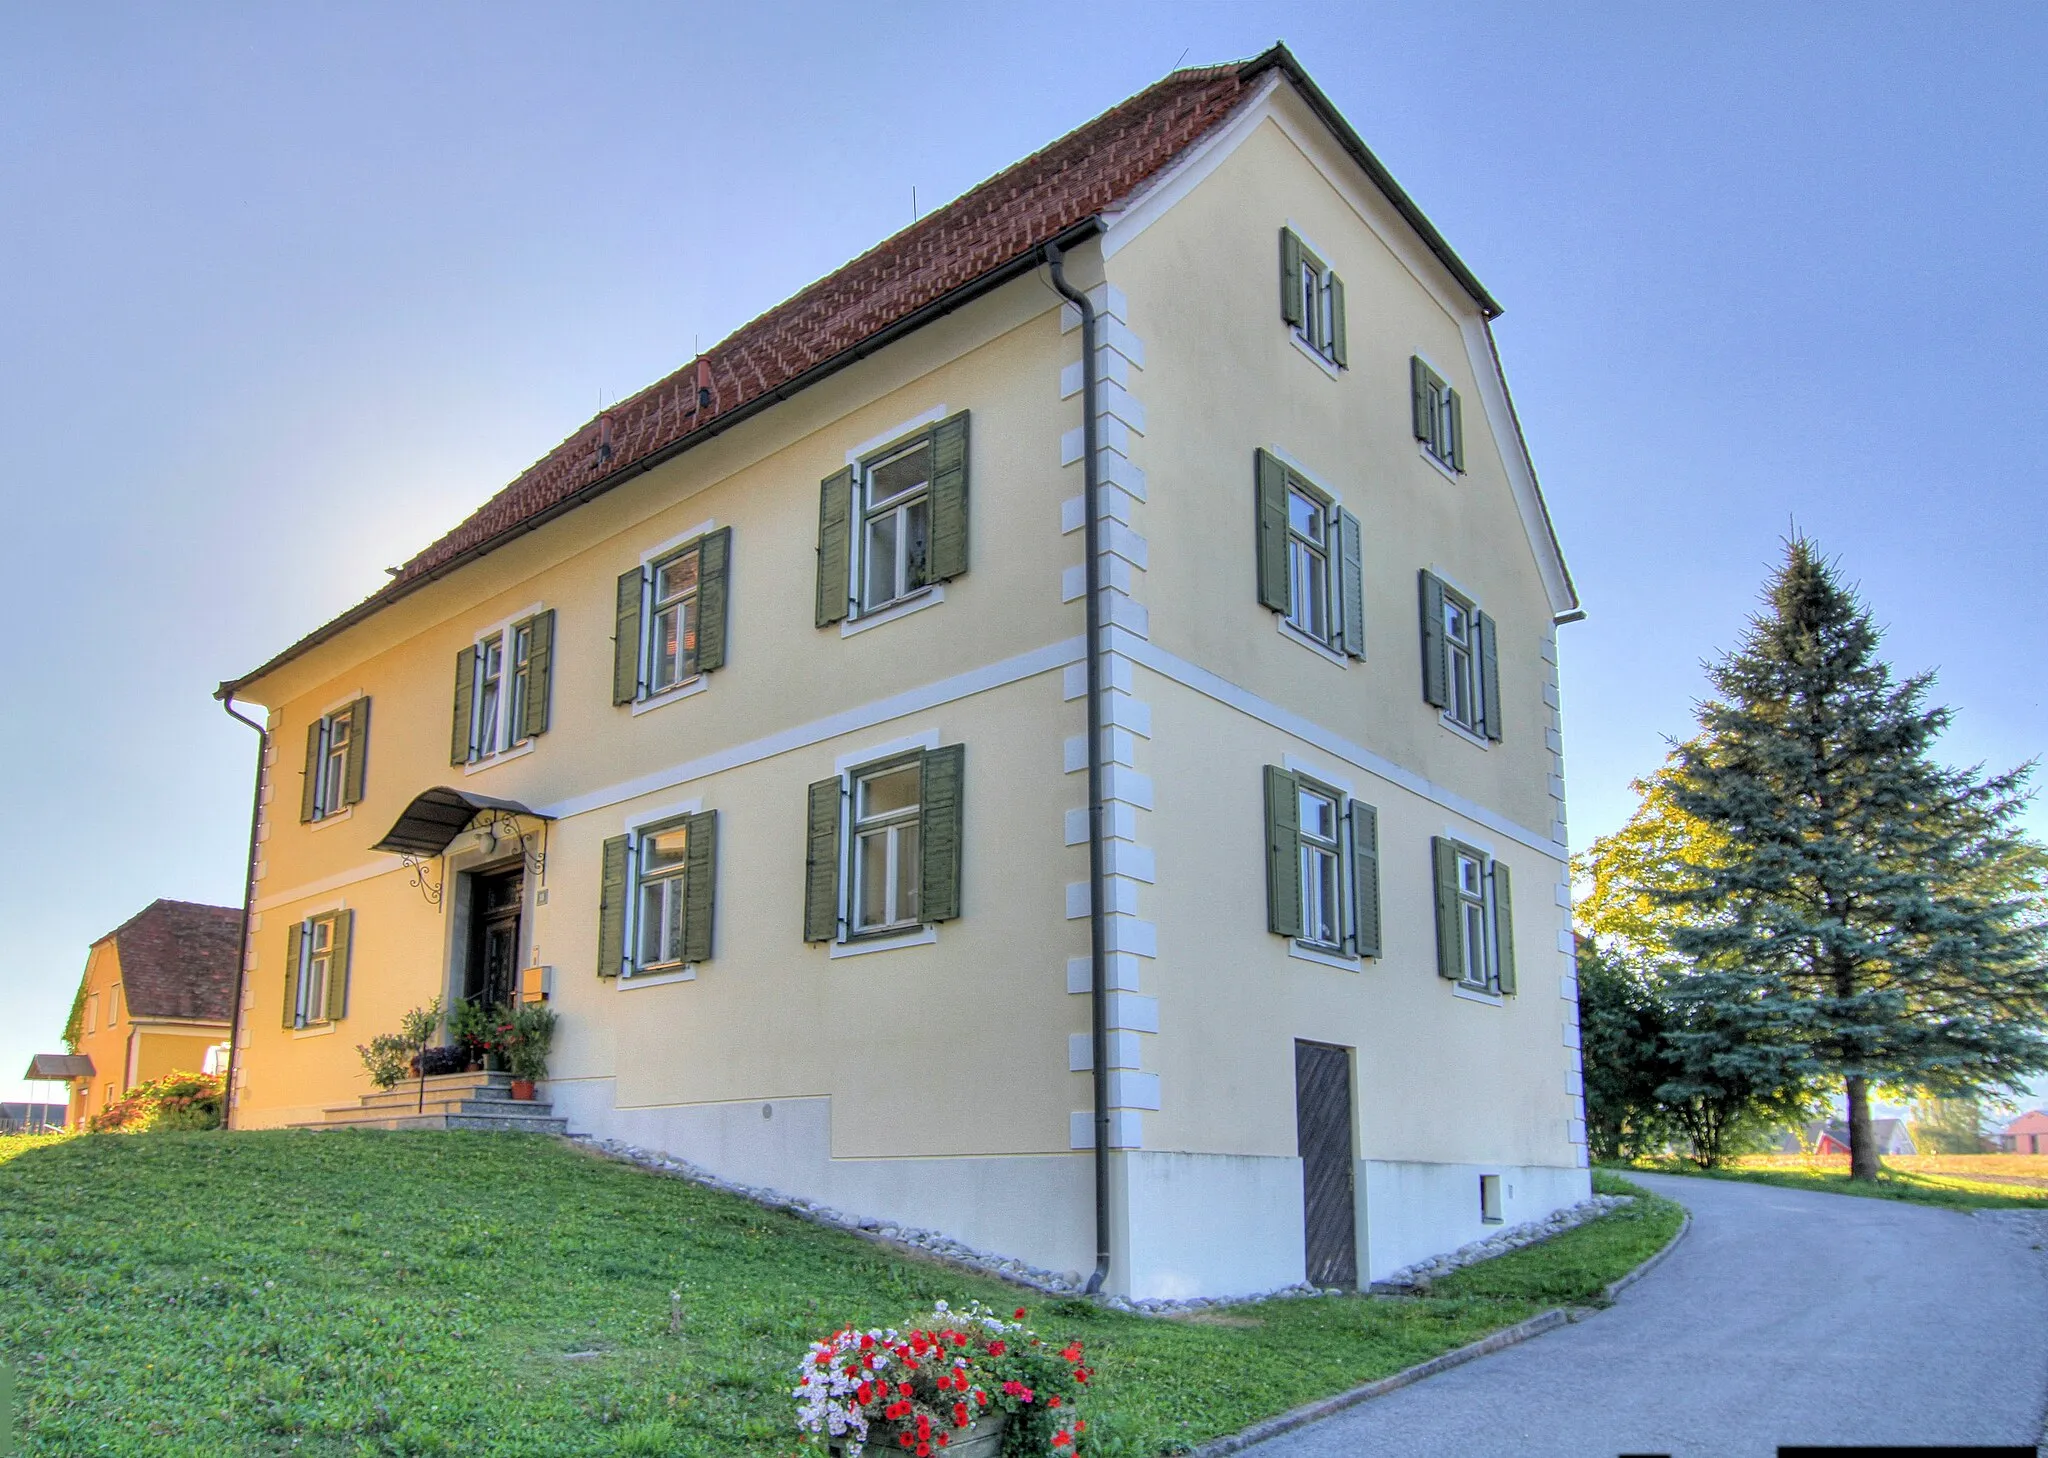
column 375, row 1293
column 1922, row 1187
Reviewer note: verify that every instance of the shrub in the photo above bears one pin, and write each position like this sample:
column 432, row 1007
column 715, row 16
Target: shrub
column 174, row 1102
column 388, row 1056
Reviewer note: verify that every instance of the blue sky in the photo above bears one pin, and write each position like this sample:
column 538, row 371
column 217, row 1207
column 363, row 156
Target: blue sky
column 287, row 290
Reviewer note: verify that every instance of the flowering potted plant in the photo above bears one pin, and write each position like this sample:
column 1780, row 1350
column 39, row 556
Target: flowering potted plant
column 473, row 1028
column 524, row 1035
column 969, row 1384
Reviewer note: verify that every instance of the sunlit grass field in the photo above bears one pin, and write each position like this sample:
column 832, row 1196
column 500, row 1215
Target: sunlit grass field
column 362, row 1293
column 1961, row 1181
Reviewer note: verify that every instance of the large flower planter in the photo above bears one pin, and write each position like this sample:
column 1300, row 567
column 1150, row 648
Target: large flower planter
column 522, row 1089
column 982, row 1438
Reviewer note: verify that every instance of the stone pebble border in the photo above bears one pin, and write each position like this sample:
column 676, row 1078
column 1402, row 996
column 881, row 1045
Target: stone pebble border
column 1411, row 1280
column 1510, row 1336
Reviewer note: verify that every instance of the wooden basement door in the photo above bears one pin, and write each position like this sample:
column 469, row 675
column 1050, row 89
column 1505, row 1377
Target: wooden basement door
column 1322, row 1114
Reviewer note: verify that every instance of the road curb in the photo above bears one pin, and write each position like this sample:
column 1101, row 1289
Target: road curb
column 1508, row 1336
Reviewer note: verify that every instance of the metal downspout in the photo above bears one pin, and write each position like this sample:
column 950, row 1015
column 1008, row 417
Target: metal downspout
column 227, row 1098
column 1098, row 930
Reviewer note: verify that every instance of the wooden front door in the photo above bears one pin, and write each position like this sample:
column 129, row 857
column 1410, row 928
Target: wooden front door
column 492, row 974
column 1322, row 1121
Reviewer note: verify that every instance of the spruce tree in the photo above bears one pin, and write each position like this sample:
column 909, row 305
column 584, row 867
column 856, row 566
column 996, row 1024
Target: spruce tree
column 1868, row 917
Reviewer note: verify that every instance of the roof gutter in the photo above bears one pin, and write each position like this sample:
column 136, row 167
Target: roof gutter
column 1024, row 263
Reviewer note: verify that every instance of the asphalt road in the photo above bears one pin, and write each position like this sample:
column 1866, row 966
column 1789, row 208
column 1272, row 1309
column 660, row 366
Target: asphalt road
column 1783, row 1317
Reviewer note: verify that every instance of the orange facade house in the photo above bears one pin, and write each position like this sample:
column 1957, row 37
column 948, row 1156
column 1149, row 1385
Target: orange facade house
column 155, row 998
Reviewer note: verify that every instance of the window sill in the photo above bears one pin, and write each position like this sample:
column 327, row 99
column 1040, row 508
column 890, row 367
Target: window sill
column 903, row 607
column 318, row 1030
column 326, row 821
column 1323, row 361
column 682, row 690
column 1478, row 741
column 1306, row 953
column 517, row 751
column 1475, row 994
column 658, row 979
column 922, row 937
column 1441, row 469
column 1321, row 650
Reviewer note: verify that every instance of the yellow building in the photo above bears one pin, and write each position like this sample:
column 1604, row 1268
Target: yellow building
column 155, row 999
column 753, row 725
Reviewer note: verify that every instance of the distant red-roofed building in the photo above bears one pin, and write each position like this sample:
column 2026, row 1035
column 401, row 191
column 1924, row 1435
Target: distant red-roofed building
column 2028, row 1134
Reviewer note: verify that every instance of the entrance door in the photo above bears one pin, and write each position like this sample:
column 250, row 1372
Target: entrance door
column 1322, row 1122
column 491, row 976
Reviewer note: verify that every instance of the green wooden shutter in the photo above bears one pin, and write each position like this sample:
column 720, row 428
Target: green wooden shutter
column 947, row 556
column 939, row 835
column 1436, row 667
column 295, row 954
column 835, row 545
column 461, row 746
column 821, row 863
column 611, row 907
column 1489, row 678
column 1269, row 480
column 1424, row 417
column 1504, row 927
column 1290, row 277
column 357, row 767
column 540, row 674
column 714, row 571
column 1365, row 880
column 1351, row 582
column 1338, row 352
column 309, row 792
column 1449, row 935
column 626, row 636
column 1454, row 448
column 700, row 889
column 1283, row 853
column 337, row 965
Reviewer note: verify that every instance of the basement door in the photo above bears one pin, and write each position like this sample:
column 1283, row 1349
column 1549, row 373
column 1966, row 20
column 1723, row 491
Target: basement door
column 1322, row 1121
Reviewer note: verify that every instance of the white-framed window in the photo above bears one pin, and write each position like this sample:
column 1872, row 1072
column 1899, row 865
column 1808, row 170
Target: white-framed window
column 1461, row 659
column 660, row 911
column 1311, row 299
column 672, row 620
column 1462, row 684
column 336, row 748
column 1439, row 415
column 886, row 864
column 1475, row 918
column 502, row 688
column 1311, row 557
column 1322, row 865
column 884, row 848
column 316, row 973
column 894, row 542
column 1310, row 525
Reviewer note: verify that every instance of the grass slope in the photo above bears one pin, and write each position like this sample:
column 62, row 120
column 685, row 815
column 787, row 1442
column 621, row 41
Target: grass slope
column 1958, row 1181
column 377, row 1293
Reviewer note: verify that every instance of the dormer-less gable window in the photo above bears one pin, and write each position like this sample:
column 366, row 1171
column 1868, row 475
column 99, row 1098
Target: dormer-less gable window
column 1439, row 415
column 1311, row 558
column 337, row 761
column 1312, row 299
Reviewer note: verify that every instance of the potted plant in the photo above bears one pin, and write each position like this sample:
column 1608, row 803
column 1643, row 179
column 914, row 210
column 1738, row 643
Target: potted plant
column 389, row 1057
column 473, row 1029
column 968, row 1384
column 525, row 1034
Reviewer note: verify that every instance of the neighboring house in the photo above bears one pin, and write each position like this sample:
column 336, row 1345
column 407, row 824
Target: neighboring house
column 2028, row 1134
column 156, row 996
column 28, row 1118
column 751, row 726
column 1832, row 1137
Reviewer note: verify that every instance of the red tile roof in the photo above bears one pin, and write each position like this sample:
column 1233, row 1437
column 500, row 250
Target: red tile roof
column 973, row 241
column 178, row 960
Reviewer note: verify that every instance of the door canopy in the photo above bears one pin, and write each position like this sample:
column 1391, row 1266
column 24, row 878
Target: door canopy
column 435, row 817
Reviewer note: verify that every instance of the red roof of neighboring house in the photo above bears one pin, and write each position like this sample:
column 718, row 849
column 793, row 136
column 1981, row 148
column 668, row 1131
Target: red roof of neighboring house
column 982, row 238
column 178, row 960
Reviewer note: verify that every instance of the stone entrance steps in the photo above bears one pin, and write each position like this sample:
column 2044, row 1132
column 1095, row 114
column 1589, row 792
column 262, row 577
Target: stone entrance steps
column 452, row 1101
